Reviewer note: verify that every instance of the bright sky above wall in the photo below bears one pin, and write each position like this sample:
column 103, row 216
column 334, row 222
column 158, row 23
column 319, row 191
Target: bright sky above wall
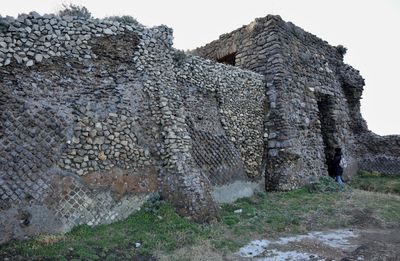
column 368, row 28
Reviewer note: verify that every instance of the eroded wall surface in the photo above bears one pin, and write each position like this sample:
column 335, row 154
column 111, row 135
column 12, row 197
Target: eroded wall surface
column 314, row 103
column 98, row 116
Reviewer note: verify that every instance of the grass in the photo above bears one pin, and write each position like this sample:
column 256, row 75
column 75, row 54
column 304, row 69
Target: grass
column 159, row 229
column 377, row 182
column 155, row 227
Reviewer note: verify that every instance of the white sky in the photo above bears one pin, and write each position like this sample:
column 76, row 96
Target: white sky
column 368, row 28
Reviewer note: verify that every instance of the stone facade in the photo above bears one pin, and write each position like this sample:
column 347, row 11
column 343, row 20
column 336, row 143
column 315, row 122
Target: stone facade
column 314, row 103
column 98, row 116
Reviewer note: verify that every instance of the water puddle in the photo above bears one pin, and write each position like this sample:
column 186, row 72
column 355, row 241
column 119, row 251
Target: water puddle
column 311, row 246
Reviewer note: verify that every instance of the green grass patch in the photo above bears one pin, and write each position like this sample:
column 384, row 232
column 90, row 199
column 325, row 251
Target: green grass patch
column 376, row 182
column 272, row 214
column 155, row 227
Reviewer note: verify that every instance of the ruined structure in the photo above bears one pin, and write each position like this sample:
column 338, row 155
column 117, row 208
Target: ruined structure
column 313, row 102
column 97, row 116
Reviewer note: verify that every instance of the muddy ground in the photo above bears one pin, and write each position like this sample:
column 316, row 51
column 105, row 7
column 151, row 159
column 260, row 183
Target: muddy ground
column 341, row 244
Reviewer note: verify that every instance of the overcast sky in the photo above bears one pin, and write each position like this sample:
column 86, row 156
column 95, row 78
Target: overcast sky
column 368, row 28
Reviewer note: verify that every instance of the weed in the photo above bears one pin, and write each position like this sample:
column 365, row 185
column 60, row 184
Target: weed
column 341, row 49
column 126, row 19
column 179, row 57
column 324, row 185
column 4, row 24
column 75, row 10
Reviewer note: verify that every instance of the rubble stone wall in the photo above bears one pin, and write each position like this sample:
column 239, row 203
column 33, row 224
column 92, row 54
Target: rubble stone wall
column 379, row 153
column 317, row 118
column 97, row 116
column 313, row 99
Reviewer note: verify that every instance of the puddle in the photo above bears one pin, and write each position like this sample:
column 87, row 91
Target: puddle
column 266, row 250
column 332, row 238
column 335, row 239
column 255, row 248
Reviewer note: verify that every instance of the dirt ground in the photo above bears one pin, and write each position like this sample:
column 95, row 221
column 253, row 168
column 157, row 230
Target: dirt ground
column 341, row 244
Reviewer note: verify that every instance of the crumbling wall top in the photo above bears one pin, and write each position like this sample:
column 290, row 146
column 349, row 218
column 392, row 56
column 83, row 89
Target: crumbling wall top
column 31, row 38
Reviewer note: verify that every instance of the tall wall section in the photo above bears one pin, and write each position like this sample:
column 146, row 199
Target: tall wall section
column 314, row 110
column 314, row 102
column 338, row 90
column 97, row 116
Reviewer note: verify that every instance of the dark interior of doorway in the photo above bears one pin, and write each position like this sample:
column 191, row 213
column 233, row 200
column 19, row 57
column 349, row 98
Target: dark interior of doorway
column 328, row 129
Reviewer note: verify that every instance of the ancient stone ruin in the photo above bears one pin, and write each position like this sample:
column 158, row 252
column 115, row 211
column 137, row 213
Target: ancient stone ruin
column 98, row 116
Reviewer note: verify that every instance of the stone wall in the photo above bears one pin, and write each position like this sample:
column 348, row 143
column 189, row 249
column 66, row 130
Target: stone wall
column 380, row 154
column 314, row 102
column 317, row 118
column 98, row 116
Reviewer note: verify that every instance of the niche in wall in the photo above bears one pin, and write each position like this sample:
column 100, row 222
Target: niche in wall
column 228, row 59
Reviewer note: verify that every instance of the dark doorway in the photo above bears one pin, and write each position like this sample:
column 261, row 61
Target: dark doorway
column 328, row 129
column 228, row 59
